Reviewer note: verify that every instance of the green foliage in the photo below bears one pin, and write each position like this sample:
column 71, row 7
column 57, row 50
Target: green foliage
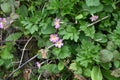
column 62, row 53
column 91, row 49
column 87, row 54
column 71, row 33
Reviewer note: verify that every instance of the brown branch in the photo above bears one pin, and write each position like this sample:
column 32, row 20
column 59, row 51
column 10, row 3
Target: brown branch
column 24, row 50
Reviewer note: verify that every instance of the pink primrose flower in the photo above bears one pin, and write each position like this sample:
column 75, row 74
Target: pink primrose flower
column 93, row 18
column 59, row 43
column 38, row 64
column 54, row 38
column 57, row 23
column 1, row 25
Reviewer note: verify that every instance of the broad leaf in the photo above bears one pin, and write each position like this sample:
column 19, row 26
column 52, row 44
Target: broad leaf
column 60, row 66
column 96, row 73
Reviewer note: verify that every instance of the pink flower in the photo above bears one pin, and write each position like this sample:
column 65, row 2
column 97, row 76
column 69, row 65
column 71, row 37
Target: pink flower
column 38, row 64
column 59, row 44
column 1, row 25
column 93, row 18
column 57, row 23
column 54, row 38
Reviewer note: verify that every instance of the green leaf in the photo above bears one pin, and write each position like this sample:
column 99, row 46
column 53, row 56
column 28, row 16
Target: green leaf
column 89, row 31
column 106, row 66
column 6, row 7
column 60, row 66
column 23, row 11
column 93, row 9
column 116, row 55
column 80, row 16
column 92, row 2
column 33, row 29
column 71, row 33
column 6, row 54
column 88, row 53
column 62, row 53
column 99, row 37
column 50, row 68
column 96, row 73
column 107, row 75
column 106, row 55
column 87, row 72
column 73, row 66
column 47, row 30
column 14, row 36
column 116, row 64
column 111, row 46
column 1, row 62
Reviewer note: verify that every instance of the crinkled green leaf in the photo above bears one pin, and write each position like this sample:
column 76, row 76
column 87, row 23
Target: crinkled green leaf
column 6, row 7
column 106, row 55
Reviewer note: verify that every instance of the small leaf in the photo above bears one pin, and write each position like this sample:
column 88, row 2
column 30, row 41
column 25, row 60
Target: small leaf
column 60, row 66
column 14, row 36
column 6, row 54
column 80, row 16
column 117, row 64
column 96, row 73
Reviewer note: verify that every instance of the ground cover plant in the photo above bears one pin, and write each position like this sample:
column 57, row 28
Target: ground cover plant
column 59, row 40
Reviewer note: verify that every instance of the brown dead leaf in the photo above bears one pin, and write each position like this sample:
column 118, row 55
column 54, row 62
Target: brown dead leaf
column 79, row 77
column 27, row 73
column 44, row 53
